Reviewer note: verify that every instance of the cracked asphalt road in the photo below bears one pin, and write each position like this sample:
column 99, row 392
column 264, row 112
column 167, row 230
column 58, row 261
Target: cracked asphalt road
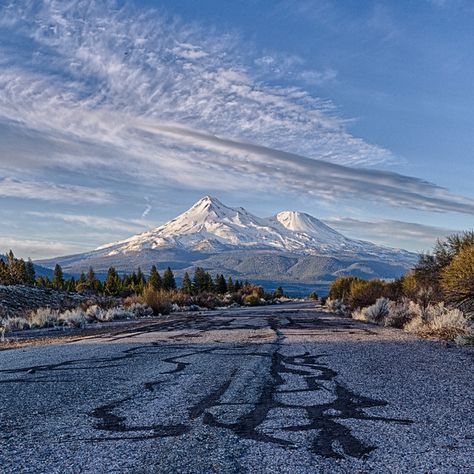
column 288, row 389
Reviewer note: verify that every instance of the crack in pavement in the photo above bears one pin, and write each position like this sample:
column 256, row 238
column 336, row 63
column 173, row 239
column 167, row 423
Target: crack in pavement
column 331, row 439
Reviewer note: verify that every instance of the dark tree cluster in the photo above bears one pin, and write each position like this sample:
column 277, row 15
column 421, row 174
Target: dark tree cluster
column 15, row 271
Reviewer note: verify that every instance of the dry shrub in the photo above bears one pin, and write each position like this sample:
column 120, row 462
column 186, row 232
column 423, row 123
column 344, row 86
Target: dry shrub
column 440, row 322
column 400, row 314
column 375, row 313
column 365, row 293
column 159, row 301
column 14, row 324
column 43, row 318
column 466, row 339
column 207, row 300
column 251, row 300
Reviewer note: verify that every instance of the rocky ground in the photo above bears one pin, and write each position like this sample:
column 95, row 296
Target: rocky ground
column 287, row 389
column 17, row 300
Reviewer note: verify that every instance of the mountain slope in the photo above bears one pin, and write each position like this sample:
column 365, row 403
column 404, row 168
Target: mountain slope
column 288, row 246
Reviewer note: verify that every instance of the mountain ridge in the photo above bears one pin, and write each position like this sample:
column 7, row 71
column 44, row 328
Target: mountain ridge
column 210, row 234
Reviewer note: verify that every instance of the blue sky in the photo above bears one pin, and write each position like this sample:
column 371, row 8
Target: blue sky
column 115, row 117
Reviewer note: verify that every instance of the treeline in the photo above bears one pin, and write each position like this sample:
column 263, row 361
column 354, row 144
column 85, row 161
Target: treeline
column 14, row 271
column 445, row 275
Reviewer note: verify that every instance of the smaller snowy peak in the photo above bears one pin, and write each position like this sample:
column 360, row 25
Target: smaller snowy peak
column 302, row 222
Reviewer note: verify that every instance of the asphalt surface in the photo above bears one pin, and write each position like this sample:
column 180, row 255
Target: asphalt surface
column 287, row 389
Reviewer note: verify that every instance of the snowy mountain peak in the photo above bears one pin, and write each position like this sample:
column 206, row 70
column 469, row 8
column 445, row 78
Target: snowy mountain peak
column 210, row 226
column 207, row 204
column 302, row 222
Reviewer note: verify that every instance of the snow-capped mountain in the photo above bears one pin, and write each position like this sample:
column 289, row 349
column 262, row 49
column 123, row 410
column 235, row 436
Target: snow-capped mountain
column 210, row 226
column 290, row 246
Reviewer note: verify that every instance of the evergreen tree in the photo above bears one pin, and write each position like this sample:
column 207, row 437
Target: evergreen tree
column 169, row 283
column 200, row 282
column 154, row 280
column 237, row 285
column 278, row 293
column 20, row 273
column 44, row 282
column 230, row 285
column 58, row 279
column 187, row 286
column 209, row 286
column 220, row 284
column 11, row 260
column 112, row 284
column 92, row 280
column 30, row 272
column 82, row 284
column 127, row 283
column 4, row 273
column 70, row 285
column 141, row 281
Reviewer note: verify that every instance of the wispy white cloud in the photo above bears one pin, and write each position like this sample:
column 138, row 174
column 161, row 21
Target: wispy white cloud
column 95, row 222
column 101, row 84
column 47, row 191
column 151, row 66
column 329, row 180
column 148, row 208
column 37, row 248
column 386, row 231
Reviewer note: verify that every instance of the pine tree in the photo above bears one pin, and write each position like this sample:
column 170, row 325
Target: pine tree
column 11, row 260
column 141, row 281
column 230, row 285
column 278, row 293
column 220, row 285
column 4, row 273
column 58, row 279
column 187, row 286
column 209, row 285
column 91, row 280
column 199, row 280
column 70, row 284
column 30, row 272
column 20, row 272
column 169, row 282
column 82, row 284
column 154, row 280
column 112, row 284
column 44, row 282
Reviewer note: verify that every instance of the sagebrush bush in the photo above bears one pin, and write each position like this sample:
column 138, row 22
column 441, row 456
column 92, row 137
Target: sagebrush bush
column 399, row 314
column 466, row 339
column 337, row 305
column 14, row 324
column 438, row 321
column 43, row 318
column 375, row 313
column 75, row 318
